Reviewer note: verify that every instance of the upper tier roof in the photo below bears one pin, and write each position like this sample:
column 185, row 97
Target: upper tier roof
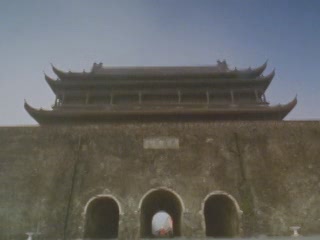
column 219, row 70
column 261, row 82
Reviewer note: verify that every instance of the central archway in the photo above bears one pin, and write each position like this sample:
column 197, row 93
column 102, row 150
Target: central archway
column 160, row 200
column 221, row 213
column 102, row 218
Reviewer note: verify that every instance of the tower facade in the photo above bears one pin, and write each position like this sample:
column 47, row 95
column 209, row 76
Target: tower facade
column 160, row 94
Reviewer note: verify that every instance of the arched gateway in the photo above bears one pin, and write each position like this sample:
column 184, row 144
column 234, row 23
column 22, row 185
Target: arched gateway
column 102, row 218
column 160, row 200
column 222, row 215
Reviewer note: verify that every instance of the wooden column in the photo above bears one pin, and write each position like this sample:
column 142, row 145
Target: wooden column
column 232, row 97
column 264, row 97
column 87, row 98
column 111, row 99
column 208, row 97
column 179, row 96
column 140, row 97
column 256, row 94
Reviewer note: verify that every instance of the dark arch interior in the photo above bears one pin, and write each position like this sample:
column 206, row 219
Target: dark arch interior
column 221, row 217
column 160, row 200
column 102, row 219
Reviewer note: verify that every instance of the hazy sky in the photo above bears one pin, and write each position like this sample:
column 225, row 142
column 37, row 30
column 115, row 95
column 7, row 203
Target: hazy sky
column 72, row 34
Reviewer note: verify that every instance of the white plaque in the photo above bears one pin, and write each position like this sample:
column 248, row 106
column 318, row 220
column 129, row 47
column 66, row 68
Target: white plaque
column 161, row 143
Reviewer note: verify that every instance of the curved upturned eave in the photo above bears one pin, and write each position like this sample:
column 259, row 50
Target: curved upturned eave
column 252, row 73
column 52, row 83
column 268, row 79
column 58, row 72
column 287, row 108
column 258, row 71
column 277, row 112
column 33, row 112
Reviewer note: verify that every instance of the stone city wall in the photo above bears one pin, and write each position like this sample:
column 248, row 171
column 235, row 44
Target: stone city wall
column 268, row 170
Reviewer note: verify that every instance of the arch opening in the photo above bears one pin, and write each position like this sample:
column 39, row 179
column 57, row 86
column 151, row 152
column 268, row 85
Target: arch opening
column 102, row 218
column 160, row 201
column 162, row 225
column 221, row 216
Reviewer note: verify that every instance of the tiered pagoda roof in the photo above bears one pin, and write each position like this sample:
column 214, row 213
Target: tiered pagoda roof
column 199, row 93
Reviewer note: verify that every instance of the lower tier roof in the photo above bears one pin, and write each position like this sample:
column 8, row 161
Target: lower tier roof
column 94, row 116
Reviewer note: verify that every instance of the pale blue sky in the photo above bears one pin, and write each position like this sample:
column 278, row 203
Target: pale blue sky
column 72, row 34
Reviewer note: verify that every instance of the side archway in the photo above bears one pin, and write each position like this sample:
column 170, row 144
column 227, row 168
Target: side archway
column 102, row 218
column 222, row 215
column 158, row 200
